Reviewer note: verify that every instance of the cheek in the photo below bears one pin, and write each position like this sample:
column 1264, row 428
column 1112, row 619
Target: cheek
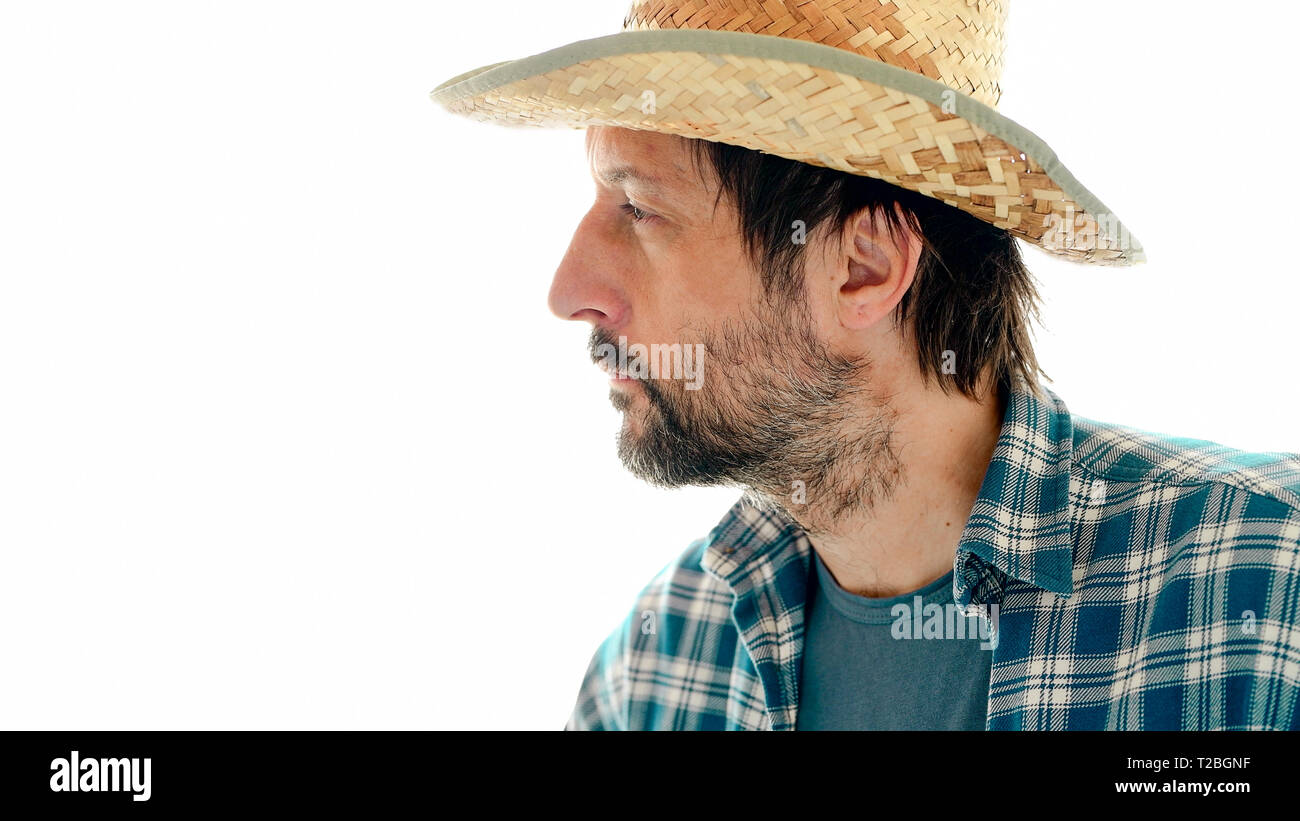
column 820, row 297
column 822, row 316
column 714, row 282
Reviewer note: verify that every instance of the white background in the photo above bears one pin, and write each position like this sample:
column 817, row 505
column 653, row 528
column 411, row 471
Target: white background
column 288, row 438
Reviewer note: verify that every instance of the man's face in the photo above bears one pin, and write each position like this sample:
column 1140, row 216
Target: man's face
column 774, row 406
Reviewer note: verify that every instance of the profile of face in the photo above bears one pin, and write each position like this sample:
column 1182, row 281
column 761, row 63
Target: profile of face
column 790, row 402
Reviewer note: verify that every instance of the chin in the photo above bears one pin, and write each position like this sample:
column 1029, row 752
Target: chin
column 633, row 424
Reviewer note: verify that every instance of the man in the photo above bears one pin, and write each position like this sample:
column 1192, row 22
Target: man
column 842, row 250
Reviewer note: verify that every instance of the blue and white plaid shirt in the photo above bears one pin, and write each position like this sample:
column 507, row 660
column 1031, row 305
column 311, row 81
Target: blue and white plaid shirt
column 1143, row 582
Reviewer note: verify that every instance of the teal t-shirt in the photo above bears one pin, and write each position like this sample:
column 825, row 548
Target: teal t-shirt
column 864, row 669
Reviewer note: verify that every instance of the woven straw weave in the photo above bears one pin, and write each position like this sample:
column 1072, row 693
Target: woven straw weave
column 960, row 44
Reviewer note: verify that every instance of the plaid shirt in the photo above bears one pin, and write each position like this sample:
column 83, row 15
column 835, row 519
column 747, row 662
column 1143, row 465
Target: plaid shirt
column 1143, row 582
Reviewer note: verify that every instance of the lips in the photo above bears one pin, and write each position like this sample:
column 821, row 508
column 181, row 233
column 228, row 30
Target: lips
column 613, row 373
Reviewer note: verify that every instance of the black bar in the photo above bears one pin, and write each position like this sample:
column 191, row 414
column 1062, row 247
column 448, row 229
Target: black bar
column 362, row 769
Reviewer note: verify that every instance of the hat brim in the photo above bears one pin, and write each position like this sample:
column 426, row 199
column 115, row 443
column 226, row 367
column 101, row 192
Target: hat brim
column 811, row 103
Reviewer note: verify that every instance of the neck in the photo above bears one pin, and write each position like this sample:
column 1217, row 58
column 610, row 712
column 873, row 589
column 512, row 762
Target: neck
column 924, row 482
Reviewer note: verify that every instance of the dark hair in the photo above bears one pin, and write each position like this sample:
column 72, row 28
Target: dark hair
column 972, row 294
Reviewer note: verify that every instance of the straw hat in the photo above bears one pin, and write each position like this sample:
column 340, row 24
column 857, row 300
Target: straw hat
column 903, row 90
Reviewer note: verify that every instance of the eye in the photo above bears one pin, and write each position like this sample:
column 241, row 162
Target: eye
column 637, row 214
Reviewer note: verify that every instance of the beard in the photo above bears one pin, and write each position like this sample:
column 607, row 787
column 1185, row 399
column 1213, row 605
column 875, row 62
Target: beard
column 794, row 425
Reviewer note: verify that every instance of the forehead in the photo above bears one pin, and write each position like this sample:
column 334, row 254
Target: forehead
column 648, row 160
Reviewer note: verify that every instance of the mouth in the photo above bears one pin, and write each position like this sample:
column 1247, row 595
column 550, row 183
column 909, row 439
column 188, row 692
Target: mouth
column 617, row 377
column 612, row 372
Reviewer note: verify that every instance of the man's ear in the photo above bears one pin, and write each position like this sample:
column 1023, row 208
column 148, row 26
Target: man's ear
column 875, row 268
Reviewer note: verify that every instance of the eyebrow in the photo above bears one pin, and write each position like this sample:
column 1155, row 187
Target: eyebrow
column 624, row 173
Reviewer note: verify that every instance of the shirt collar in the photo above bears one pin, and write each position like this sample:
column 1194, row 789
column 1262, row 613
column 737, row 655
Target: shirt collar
column 1019, row 526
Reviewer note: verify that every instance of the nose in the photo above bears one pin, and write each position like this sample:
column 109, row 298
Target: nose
column 584, row 286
